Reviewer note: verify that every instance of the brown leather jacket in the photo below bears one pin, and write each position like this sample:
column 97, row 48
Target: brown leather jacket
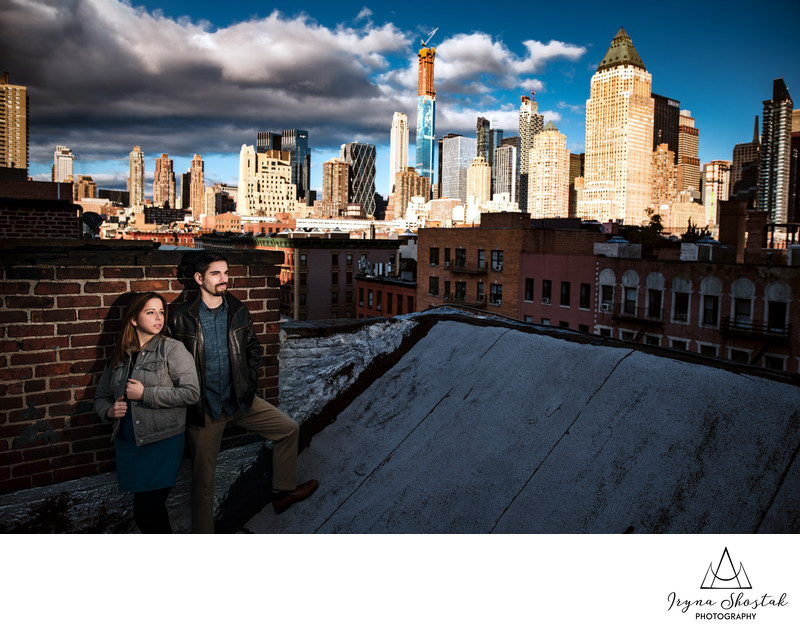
column 243, row 346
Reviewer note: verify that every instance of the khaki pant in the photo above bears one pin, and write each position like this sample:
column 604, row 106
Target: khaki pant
column 204, row 443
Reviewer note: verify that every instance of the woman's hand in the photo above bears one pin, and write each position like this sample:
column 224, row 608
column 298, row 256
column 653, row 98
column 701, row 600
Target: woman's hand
column 134, row 390
column 118, row 410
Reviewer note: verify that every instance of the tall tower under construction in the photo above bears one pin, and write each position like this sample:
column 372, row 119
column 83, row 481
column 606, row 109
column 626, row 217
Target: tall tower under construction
column 426, row 112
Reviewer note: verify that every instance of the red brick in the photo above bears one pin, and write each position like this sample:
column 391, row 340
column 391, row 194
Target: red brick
column 36, row 344
column 87, row 366
column 150, row 286
column 262, row 271
column 105, row 287
column 29, row 273
column 19, row 373
column 157, row 272
column 100, row 313
column 27, row 302
column 78, row 301
column 52, row 369
column 7, row 288
column 70, row 473
column 57, row 288
column 78, row 273
column 89, row 445
column 5, row 473
column 259, row 293
column 34, row 386
column 33, row 358
column 79, row 328
column 44, row 452
column 73, row 434
column 28, row 468
column 71, row 381
column 53, row 315
column 83, row 353
column 23, row 331
column 123, row 273
column 97, row 340
column 8, row 346
column 50, row 397
column 13, row 317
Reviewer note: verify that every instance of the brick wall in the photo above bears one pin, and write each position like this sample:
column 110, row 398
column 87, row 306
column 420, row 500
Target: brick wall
column 60, row 310
column 38, row 219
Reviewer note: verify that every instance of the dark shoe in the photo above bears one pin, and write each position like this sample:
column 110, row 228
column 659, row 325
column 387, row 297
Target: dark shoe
column 301, row 492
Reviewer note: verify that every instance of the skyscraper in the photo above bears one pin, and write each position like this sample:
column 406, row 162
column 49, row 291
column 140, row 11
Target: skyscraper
column 482, row 138
column 548, row 189
column 14, row 110
column 457, row 155
column 84, row 187
column 185, row 187
column 619, row 138
column 505, row 171
column 136, row 179
column 426, row 112
column 164, row 183
column 688, row 153
column 63, row 164
column 265, row 182
column 197, row 186
column 744, row 170
column 336, row 183
column 530, row 124
column 295, row 141
column 479, row 182
column 666, row 122
column 716, row 183
column 409, row 184
column 398, row 147
column 776, row 142
column 267, row 141
column 361, row 158
column 665, row 175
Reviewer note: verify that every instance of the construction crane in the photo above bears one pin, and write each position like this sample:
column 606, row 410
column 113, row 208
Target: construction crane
column 430, row 37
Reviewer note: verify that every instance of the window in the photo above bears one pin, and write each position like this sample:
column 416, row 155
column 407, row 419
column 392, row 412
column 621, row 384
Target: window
column 433, row 286
column 496, row 294
column 461, row 258
column 303, row 259
column 334, row 278
column 708, row 350
column 528, row 318
column 479, row 292
column 583, row 328
column 563, row 324
column 528, row 289
column 349, row 259
column 738, row 355
column 481, row 259
column 680, row 345
column 447, row 290
column 334, row 297
column 627, row 336
column 680, row 307
column 586, row 296
column 369, row 299
column 389, row 297
column 349, row 278
column 776, row 363
column 604, row 331
column 348, row 297
column 652, row 340
column 461, row 290
column 629, row 306
column 361, row 297
column 606, row 297
column 742, row 313
column 410, row 303
column 303, row 278
column 654, row 303
column 545, row 321
column 334, row 259
column 497, row 260
column 776, row 317
column 565, row 287
column 302, row 298
column 547, row 289
column 434, row 256
column 379, row 301
column 710, row 310
column 447, row 256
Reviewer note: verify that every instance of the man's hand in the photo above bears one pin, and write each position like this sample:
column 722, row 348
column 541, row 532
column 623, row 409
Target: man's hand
column 118, row 410
column 134, row 390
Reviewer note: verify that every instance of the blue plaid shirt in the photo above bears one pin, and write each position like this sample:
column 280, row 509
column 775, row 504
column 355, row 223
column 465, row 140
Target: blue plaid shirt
column 219, row 387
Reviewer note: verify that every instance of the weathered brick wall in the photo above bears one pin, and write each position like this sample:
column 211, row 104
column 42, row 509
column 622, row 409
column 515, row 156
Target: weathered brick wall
column 36, row 219
column 60, row 310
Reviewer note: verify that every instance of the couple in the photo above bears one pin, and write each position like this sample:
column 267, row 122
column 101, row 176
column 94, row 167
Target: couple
column 151, row 380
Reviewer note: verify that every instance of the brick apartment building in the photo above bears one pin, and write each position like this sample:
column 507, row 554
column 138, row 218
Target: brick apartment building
column 708, row 298
column 318, row 275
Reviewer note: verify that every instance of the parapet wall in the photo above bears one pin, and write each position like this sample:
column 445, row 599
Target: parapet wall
column 60, row 310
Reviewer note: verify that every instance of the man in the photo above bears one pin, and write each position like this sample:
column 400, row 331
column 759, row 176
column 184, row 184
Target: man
column 217, row 330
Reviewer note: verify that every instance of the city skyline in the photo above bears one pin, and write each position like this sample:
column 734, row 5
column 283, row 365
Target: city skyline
column 104, row 76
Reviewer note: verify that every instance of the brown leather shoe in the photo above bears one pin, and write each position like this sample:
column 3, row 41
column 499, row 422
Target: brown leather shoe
column 301, row 492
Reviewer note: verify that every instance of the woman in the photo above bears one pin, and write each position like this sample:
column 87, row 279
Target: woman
column 144, row 390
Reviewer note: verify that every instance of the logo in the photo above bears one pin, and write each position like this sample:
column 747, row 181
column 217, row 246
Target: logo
column 732, row 604
column 725, row 577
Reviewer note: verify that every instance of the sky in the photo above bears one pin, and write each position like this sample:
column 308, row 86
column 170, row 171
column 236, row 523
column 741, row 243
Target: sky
column 205, row 77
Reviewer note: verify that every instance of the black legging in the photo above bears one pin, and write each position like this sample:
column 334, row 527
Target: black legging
column 150, row 511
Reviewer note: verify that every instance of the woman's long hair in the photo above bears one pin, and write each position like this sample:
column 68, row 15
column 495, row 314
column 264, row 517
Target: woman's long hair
column 128, row 340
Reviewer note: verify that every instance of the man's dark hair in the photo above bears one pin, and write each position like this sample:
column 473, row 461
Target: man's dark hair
column 205, row 259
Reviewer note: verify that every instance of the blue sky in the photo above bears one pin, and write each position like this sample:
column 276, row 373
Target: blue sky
column 204, row 77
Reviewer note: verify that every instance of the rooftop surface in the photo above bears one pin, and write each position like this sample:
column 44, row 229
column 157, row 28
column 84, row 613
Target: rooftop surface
column 478, row 427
